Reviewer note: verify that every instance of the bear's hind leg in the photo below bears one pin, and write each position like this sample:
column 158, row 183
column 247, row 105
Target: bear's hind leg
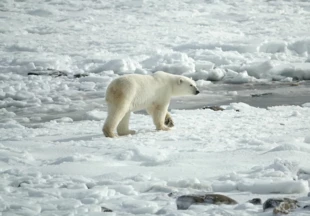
column 108, row 132
column 115, row 115
column 123, row 126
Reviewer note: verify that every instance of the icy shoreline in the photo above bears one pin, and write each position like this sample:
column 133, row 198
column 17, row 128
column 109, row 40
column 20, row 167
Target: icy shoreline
column 257, row 95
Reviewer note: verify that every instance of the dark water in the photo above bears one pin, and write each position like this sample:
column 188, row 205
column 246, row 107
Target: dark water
column 257, row 95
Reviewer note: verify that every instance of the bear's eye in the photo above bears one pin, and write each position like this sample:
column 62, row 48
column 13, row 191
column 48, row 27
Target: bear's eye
column 191, row 85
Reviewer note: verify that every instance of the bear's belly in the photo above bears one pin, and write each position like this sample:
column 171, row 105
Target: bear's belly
column 142, row 103
column 139, row 106
column 134, row 109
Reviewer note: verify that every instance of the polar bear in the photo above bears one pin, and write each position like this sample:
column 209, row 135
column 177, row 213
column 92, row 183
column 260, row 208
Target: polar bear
column 135, row 92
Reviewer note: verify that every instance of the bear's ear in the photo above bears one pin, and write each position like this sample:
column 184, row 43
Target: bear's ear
column 180, row 81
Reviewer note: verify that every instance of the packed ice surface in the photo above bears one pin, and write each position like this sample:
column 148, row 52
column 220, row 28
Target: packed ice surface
column 62, row 167
column 54, row 159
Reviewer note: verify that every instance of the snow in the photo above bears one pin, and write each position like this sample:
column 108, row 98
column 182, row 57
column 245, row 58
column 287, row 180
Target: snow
column 58, row 57
column 71, row 167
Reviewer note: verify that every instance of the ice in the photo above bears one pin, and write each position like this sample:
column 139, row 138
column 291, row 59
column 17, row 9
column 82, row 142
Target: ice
column 54, row 159
column 95, row 115
column 76, row 157
column 21, row 95
column 190, row 184
column 273, row 47
column 171, row 62
column 25, row 209
column 291, row 147
column 6, row 114
column 238, row 78
column 285, row 187
column 10, row 124
column 87, row 86
column 140, row 207
column 149, row 156
column 201, row 83
column 40, row 12
column 240, row 48
column 306, row 105
column 226, row 186
column 300, row 46
column 258, row 69
column 203, row 65
column 124, row 189
column 269, row 180
column 121, row 66
column 297, row 71
column 96, row 79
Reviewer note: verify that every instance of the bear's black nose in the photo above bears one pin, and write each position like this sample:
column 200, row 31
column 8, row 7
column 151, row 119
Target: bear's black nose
column 197, row 92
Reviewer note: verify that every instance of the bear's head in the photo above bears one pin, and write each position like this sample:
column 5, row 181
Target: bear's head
column 185, row 86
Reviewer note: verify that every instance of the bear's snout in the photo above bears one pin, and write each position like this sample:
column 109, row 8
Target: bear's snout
column 197, row 92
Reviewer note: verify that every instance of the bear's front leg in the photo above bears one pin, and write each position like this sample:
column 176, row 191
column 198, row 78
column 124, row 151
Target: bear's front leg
column 168, row 120
column 159, row 113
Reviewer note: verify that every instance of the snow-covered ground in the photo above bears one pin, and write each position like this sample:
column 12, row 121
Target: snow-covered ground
column 54, row 159
column 61, row 167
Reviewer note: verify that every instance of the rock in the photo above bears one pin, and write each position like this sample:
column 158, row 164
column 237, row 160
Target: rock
column 214, row 108
column 217, row 108
column 255, row 201
column 48, row 72
column 90, row 185
column 263, row 94
column 307, row 207
column 80, row 75
column 185, row 201
column 272, row 203
column 104, row 209
column 294, row 84
column 170, row 194
column 23, row 183
column 218, row 199
column 285, row 207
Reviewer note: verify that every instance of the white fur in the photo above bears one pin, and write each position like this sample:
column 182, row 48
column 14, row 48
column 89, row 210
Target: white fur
column 134, row 92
